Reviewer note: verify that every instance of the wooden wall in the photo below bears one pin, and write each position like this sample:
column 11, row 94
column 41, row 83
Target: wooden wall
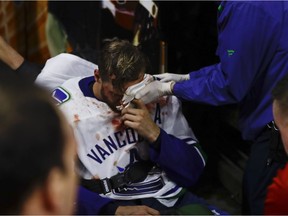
column 22, row 25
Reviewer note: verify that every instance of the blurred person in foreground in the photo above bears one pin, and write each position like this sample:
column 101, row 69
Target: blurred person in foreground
column 37, row 149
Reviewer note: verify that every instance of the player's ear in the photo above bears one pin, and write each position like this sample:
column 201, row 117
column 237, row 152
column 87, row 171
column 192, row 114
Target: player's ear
column 96, row 75
column 46, row 198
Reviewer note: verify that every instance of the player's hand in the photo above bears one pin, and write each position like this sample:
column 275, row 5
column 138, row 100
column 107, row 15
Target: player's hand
column 154, row 90
column 167, row 77
column 136, row 210
column 140, row 120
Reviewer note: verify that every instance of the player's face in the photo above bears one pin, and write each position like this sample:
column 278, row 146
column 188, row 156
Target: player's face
column 282, row 124
column 112, row 96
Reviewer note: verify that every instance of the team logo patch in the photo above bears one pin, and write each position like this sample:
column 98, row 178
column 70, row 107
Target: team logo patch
column 60, row 95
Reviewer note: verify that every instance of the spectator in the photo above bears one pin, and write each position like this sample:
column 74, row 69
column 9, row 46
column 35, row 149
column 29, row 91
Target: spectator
column 15, row 62
column 82, row 24
column 76, row 22
column 276, row 200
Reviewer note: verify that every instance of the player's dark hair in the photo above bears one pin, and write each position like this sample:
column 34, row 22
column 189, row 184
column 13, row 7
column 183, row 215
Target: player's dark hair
column 122, row 60
column 31, row 141
column 280, row 93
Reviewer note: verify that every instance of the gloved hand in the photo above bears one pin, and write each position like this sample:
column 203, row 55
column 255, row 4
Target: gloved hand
column 166, row 77
column 154, row 90
column 132, row 90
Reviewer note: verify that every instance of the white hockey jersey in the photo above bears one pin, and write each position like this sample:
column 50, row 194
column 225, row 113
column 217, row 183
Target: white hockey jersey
column 62, row 67
column 106, row 147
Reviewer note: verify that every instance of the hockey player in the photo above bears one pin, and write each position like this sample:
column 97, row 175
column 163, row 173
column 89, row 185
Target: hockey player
column 138, row 159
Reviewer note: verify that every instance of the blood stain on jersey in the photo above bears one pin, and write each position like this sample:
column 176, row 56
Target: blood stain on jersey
column 97, row 136
column 118, row 124
column 76, row 118
column 96, row 105
column 163, row 101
